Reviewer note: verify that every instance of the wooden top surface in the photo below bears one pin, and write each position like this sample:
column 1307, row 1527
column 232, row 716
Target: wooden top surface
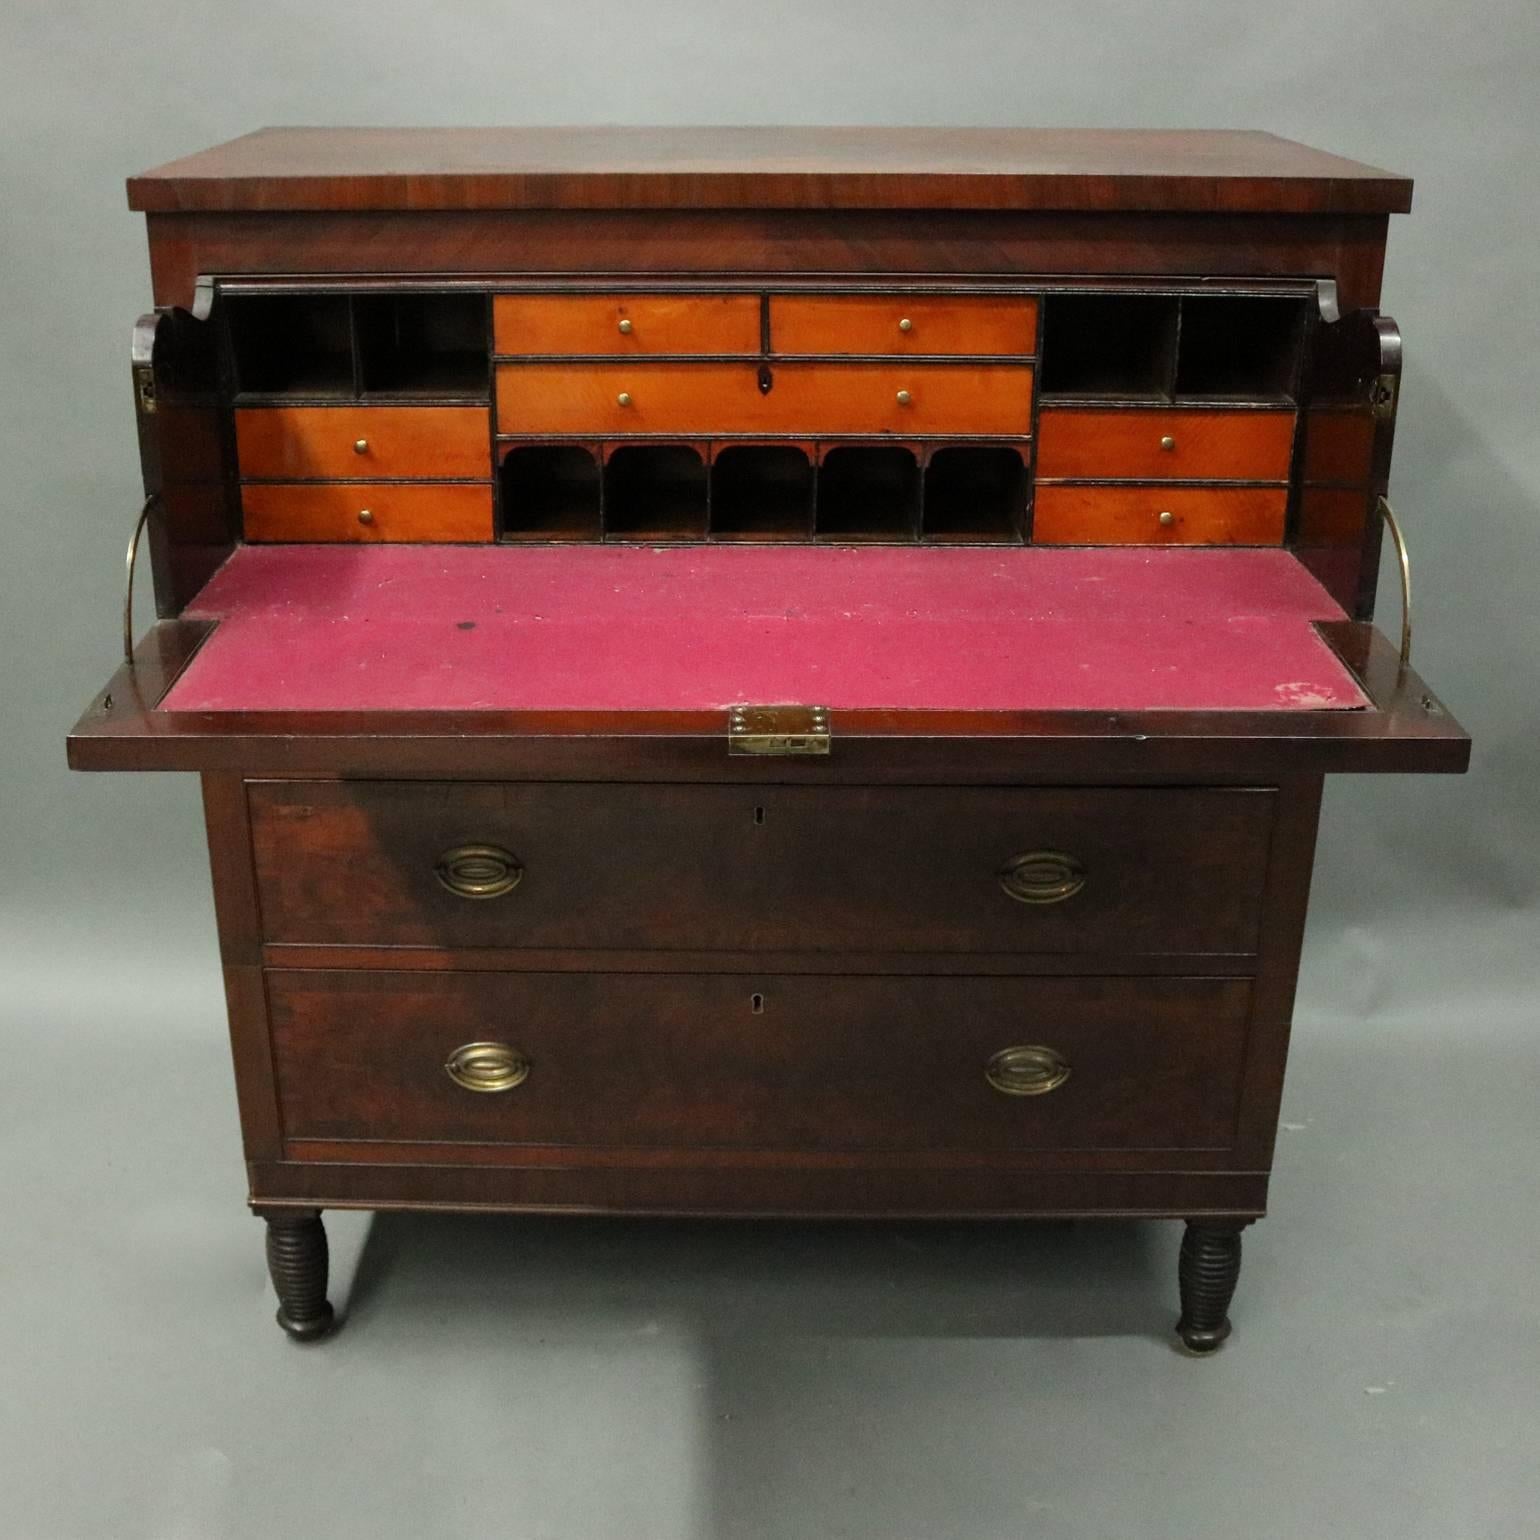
column 1097, row 170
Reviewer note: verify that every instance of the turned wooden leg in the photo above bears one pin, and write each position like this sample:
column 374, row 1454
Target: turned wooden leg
column 297, row 1260
column 1207, row 1271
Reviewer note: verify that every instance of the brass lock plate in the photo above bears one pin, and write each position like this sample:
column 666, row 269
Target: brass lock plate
column 778, row 732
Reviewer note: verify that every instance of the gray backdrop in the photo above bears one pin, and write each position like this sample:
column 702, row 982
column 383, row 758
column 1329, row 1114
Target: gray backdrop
column 575, row 1379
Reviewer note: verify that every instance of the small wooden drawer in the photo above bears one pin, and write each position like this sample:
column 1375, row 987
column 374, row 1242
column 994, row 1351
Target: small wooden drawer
column 607, row 400
column 367, row 511
column 589, row 324
column 984, row 325
column 809, row 1062
column 1159, row 515
column 903, row 399
column 741, row 868
column 311, row 443
column 1159, row 445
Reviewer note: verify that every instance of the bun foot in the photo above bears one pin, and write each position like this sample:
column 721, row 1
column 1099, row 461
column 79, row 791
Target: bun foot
column 297, row 1261
column 1207, row 1271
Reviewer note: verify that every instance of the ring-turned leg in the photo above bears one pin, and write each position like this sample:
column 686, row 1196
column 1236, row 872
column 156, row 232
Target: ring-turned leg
column 297, row 1261
column 1207, row 1271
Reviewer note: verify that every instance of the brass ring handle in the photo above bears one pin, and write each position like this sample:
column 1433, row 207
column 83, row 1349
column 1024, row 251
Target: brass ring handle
column 130, row 560
column 487, row 1067
column 1388, row 514
column 1028, row 1069
column 478, row 871
column 1042, row 877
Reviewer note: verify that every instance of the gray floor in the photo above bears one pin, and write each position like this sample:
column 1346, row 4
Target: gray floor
column 571, row 1379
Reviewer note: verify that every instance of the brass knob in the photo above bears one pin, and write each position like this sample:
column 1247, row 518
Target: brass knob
column 623, row 399
column 1168, row 442
column 625, row 326
column 365, row 516
column 478, row 871
column 904, row 398
column 1167, row 518
column 360, row 446
column 1042, row 877
column 906, row 325
column 1027, row 1069
column 487, row 1067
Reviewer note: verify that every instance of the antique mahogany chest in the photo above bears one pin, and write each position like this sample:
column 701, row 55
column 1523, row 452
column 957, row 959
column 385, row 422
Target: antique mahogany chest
column 759, row 672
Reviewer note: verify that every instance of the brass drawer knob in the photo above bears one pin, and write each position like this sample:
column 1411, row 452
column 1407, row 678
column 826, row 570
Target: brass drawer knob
column 904, row 398
column 1027, row 1069
column 360, row 446
column 365, row 516
column 1042, row 877
column 1167, row 519
column 1168, row 442
column 623, row 399
column 625, row 326
column 487, row 1067
column 478, row 871
column 906, row 325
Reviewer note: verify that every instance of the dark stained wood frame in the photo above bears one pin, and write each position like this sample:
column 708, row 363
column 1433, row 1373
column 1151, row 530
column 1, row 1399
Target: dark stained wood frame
column 892, row 211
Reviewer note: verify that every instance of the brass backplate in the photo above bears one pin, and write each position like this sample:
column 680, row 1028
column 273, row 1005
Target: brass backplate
column 778, row 731
column 1383, row 393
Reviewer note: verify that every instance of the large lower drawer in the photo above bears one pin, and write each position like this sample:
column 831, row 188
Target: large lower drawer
column 800, row 1063
column 982, row 869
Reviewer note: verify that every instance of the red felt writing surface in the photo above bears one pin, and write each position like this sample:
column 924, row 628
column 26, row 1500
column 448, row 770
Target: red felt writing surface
column 330, row 628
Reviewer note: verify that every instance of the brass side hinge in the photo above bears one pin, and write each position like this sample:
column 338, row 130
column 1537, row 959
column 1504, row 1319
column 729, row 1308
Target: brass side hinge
column 778, row 731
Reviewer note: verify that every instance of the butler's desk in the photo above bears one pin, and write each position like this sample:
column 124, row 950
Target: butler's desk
column 756, row 672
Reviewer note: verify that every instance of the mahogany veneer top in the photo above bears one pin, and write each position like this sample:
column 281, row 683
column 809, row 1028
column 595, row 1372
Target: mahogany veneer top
column 1106, row 170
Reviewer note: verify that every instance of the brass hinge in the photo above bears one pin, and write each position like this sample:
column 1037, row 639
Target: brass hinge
column 1382, row 395
column 778, row 731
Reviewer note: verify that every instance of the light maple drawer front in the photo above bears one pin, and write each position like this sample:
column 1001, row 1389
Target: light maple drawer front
column 883, row 323
column 587, row 324
column 805, row 1062
column 717, row 399
column 1141, row 445
column 903, row 399
column 478, row 865
column 1159, row 515
column 370, row 512
column 306, row 443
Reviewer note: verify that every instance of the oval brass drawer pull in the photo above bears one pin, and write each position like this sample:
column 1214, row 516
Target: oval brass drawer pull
column 487, row 1067
column 478, row 871
column 1026, row 1070
column 1042, row 877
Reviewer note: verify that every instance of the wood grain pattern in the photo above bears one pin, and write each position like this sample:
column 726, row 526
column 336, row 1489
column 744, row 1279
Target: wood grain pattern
column 587, row 324
column 809, row 1063
column 1339, row 447
column 398, row 511
column 758, row 868
column 882, row 1186
column 1131, row 515
column 1332, row 516
column 1076, row 443
column 767, row 167
column 870, row 323
column 766, row 243
column 303, row 443
column 717, row 399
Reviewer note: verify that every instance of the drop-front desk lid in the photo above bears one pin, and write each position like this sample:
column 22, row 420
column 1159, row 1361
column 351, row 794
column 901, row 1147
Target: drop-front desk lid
column 1088, row 170
column 624, row 661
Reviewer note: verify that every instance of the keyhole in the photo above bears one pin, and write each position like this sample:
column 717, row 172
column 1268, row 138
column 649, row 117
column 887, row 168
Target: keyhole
column 757, row 1004
column 759, row 815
